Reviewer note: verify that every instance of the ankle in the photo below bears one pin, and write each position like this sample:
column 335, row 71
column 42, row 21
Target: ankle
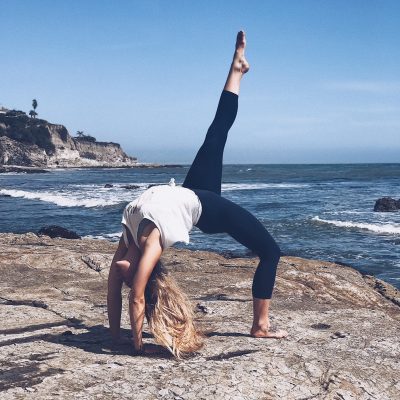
column 236, row 70
column 260, row 325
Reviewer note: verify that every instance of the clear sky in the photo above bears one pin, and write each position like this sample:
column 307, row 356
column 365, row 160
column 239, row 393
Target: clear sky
column 324, row 84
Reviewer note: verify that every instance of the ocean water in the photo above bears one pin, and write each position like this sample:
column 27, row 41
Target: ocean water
column 314, row 211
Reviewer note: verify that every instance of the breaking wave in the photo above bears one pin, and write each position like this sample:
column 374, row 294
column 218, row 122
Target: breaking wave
column 253, row 186
column 377, row 228
column 113, row 237
column 62, row 200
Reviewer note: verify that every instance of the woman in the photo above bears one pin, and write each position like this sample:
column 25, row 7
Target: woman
column 163, row 215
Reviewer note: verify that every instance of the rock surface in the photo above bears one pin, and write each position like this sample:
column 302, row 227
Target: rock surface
column 387, row 204
column 38, row 143
column 343, row 329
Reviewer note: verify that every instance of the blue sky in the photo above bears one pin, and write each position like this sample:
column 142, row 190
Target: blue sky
column 324, row 84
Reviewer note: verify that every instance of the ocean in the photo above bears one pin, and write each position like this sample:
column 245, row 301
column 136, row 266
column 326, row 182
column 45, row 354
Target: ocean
column 313, row 211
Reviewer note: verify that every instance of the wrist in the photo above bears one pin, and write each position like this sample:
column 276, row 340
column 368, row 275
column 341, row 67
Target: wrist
column 138, row 350
column 137, row 346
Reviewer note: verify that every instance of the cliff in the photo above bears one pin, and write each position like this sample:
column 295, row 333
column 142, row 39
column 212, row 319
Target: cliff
column 343, row 328
column 35, row 142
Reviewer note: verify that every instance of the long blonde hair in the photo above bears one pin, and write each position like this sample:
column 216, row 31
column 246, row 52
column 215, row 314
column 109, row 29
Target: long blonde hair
column 170, row 315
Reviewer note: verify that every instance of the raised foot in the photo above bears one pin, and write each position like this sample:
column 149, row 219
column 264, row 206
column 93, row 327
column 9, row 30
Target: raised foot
column 271, row 334
column 239, row 62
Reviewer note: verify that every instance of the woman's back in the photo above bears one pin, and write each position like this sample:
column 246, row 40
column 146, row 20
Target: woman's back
column 173, row 209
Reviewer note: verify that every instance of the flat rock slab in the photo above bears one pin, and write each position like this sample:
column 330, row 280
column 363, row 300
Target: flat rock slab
column 343, row 329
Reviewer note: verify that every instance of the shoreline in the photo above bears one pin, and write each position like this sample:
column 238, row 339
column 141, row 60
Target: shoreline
column 26, row 169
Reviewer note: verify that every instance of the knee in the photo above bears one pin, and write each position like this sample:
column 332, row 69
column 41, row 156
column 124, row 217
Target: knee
column 272, row 253
column 121, row 267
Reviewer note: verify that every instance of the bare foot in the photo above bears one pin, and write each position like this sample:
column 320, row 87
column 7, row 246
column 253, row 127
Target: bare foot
column 239, row 62
column 259, row 332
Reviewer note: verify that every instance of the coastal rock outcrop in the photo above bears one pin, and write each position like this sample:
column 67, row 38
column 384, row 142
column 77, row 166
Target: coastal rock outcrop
column 343, row 328
column 13, row 152
column 387, row 204
column 54, row 231
column 36, row 142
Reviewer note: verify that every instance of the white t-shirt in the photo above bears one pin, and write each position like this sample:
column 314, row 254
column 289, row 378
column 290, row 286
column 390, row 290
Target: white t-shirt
column 173, row 209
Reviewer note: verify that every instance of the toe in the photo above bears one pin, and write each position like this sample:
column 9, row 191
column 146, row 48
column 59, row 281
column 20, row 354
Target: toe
column 278, row 334
column 240, row 39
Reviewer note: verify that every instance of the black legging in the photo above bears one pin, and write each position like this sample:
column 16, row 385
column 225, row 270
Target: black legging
column 222, row 215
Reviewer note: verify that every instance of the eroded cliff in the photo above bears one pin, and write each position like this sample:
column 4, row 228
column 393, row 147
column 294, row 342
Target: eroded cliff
column 36, row 142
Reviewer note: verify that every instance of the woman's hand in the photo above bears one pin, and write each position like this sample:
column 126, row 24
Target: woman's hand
column 147, row 349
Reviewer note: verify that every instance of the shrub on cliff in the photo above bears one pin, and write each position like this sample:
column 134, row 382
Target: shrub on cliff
column 85, row 138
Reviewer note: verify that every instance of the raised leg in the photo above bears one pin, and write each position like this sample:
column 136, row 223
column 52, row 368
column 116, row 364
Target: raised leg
column 206, row 170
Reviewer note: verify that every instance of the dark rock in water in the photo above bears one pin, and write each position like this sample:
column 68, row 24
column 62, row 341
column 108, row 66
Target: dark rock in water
column 387, row 204
column 154, row 184
column 130, row 187
column 108, row 185
column 22, row 170
column 58, row 231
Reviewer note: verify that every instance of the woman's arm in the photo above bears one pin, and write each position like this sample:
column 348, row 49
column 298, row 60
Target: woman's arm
column 151, row 253
column 114, row 299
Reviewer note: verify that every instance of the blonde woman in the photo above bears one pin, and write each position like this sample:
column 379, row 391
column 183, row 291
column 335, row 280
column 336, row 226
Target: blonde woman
column 164, row 215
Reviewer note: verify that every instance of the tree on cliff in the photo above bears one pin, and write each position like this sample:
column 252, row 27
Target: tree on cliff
column 33, row 112
column 86, row 138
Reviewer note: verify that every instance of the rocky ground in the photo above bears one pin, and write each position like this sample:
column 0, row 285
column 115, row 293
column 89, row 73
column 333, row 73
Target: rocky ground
column 343, row 342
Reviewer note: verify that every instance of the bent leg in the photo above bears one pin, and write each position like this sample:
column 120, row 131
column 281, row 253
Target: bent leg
column 222, row 215
column 244, row 227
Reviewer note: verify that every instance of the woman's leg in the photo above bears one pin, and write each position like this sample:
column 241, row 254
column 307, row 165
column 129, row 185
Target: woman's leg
column 206, row 170
column 222, row 215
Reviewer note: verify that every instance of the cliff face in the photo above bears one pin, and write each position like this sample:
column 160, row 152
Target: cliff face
column 37, row 143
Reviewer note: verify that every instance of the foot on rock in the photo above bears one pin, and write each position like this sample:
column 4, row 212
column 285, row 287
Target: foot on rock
column 268, row 333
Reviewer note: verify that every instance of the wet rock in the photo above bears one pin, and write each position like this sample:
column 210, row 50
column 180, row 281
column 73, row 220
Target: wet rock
column 58, row 231
column 130, row 187
column 387, row 204
column 108, row 185
column 22, row 170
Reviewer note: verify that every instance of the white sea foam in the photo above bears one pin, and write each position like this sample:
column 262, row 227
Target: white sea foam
column 377, row 228
column 251, row 186
column 108, row 236
column 62, row 199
